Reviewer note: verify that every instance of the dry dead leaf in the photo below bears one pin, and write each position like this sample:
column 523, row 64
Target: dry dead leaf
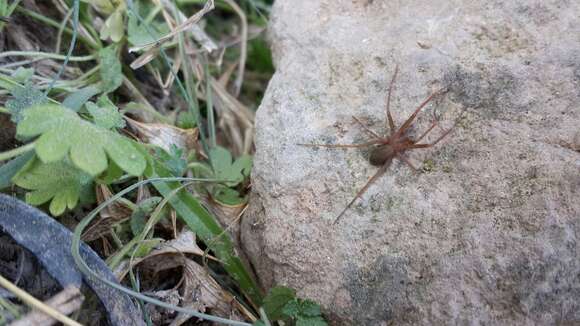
column 184, row 244
column 164, row 135
column 196, row 290
column 114, row 213
column 201, row 292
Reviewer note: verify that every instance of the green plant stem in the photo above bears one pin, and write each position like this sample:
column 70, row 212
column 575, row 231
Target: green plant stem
column 75, row 83
column 209, row 104
column 195, row 165
column 147, row 107
column 116, row 238
column 4, row 110
column 153, row 13
column 12, row 309
column 55, row 24
column 9, row 12
column 114, row 261
column 46, row 55
column 9, row 83
column 76, row 8
column 15, row 152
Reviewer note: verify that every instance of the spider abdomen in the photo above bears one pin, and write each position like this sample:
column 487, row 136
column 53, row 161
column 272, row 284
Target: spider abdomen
column 381, row 154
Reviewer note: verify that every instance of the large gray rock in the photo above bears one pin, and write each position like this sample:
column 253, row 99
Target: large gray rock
column 488, row 232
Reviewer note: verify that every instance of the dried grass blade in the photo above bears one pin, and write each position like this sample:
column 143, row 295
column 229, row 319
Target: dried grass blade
column 209, row 6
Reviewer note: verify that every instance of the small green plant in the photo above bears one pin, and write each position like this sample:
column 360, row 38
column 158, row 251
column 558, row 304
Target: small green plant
column 60, row 182
column 61, row 131
column 281, row 304
column 222, row 166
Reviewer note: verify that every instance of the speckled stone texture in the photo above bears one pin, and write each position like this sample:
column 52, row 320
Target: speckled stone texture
column 487, row 232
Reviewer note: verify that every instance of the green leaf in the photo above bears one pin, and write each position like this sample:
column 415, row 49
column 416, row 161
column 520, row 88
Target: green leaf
column 106, row 114
column 77, row 99
column 104, row 6
column 305, row 312
column 144, row 247
column 24, row 98
column 113, row 27
column 62, row 132
column 173, row 160
column 197, row 218
column 139, row 34
column 224, row 169
column 139, row 216
column 113, row 173
column 58, row 182
column 22, row 75
column 3, row 7
column 309, row 308
column 292, row 308
column 276, row 300
column 227, row 196
column 111, row 70
column 9, row 170
column 260, row 56
column 186, row 120
column 244, row 165
column 310, row 321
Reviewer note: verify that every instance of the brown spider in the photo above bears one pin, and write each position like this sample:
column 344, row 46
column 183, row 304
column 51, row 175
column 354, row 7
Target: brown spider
column 385, row 149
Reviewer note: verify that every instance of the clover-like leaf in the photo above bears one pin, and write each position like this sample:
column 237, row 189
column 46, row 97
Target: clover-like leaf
column 22, row 75
column 309, row 308
column 111, row 70
column 173, row 160
column 59, row 182
column 304, row 312
column 105, row 113
column 311, row 321
column 63, row 132
column 276, row 300
column 113, row 27
column 224, row 169
column 24, row 98
column 77, row 99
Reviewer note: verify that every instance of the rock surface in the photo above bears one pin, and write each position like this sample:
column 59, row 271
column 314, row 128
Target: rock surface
column 488, row 232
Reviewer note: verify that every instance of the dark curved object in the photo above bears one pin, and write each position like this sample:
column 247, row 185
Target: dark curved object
column 50, row 242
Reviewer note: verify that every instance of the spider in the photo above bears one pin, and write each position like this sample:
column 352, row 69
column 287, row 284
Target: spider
column 385, row 149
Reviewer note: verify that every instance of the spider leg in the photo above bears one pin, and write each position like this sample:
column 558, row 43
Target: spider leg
column 377, row 175
column 391, row 86
column 408, row 162
column 367, row 144
column 440, row 137
column 367, row 129
column 407, row 123
column 427, row 131
column 433, row 143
